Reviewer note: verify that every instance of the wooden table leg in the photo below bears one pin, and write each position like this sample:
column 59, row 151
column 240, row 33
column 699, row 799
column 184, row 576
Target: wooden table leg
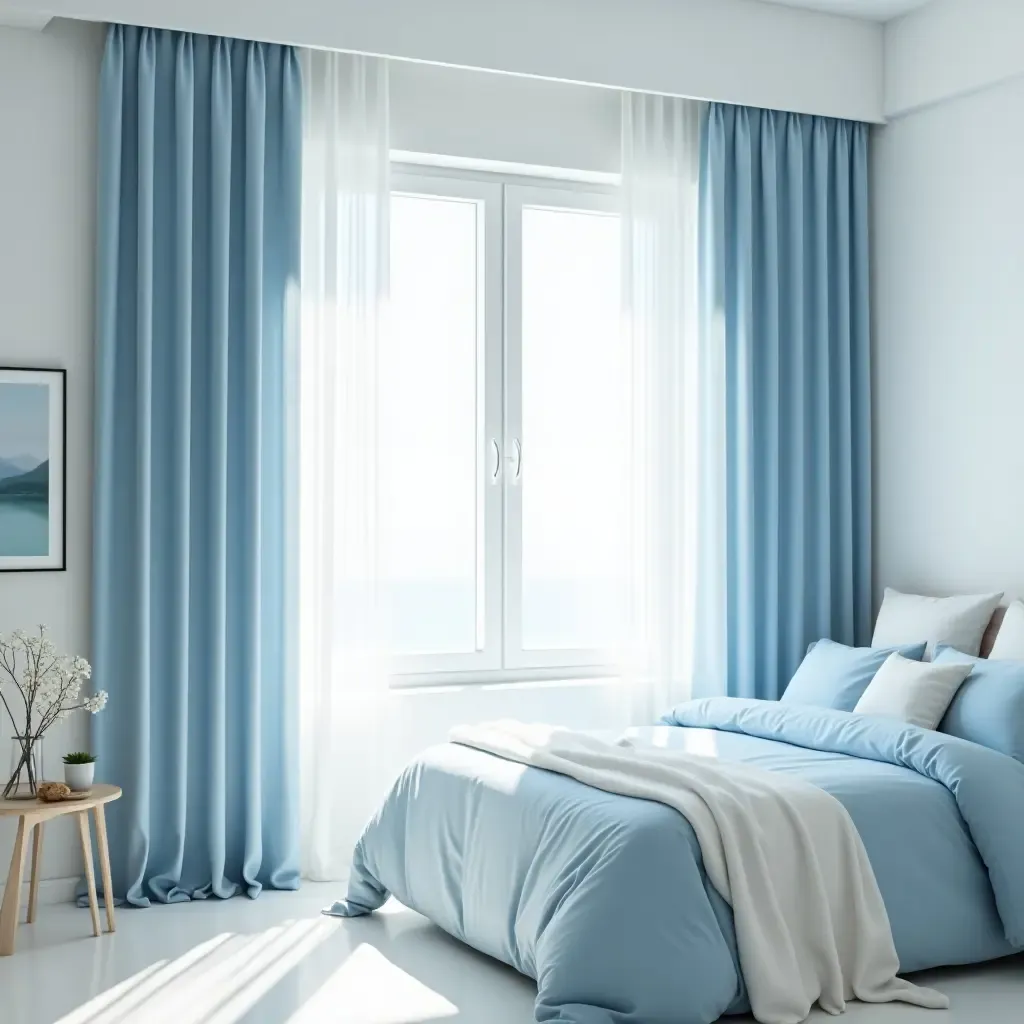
column 108, row 885
column 90, row 878
column 37, row 857
column 12, row 892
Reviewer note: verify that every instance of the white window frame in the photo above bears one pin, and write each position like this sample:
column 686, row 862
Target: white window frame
column 517, row 198
column 487, row 197
column 500, row 448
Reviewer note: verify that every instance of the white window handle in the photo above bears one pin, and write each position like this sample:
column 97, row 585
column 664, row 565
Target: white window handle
column 497, row 461
column 517, row 459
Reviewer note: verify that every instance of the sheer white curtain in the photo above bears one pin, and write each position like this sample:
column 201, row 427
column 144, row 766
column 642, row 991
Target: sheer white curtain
column 660, row 160
column 345, row 202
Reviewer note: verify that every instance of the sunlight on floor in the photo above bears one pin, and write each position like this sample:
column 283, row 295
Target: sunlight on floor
column 215, row 982
column 276, row 961
column 358, row 986
column 219, row 981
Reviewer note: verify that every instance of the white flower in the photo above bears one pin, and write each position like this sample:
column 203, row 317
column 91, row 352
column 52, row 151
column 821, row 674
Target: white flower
column 50, row 683
column 97, row 702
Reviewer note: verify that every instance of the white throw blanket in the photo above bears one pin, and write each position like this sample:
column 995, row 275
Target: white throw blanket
column 810, row 922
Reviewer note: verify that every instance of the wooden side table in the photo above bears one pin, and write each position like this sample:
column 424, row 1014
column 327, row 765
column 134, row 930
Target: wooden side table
column 33, row 815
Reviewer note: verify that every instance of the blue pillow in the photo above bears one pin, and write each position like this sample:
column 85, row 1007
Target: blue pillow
column 835, row 676
column 989, row 707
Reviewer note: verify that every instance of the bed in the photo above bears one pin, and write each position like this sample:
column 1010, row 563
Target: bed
column 603, row 899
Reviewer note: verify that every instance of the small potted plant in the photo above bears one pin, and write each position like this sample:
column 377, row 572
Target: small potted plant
column 78, row 771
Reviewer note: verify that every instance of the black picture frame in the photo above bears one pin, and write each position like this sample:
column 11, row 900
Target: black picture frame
column 56, row 558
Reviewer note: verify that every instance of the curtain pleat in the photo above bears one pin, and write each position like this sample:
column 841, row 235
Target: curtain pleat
column 198, row 266
column 784, row 554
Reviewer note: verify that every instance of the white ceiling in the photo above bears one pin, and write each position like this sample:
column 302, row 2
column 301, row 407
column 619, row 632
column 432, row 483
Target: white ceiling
column 872, row 10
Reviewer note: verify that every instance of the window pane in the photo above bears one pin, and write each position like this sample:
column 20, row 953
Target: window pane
column 574, row 431
column 429, row 490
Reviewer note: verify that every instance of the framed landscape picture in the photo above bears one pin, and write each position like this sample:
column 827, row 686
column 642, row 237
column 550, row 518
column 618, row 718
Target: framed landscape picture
column 32, row 469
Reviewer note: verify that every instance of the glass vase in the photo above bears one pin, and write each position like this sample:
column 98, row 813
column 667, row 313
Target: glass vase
column 26, row 768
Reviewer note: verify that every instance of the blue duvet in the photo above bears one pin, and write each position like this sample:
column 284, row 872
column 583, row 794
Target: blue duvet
column 604, row 901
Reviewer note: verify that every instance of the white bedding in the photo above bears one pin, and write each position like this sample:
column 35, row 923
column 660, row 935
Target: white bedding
column 810, row 922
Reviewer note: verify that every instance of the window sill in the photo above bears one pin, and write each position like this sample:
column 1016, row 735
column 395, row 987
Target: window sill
column 437, row 683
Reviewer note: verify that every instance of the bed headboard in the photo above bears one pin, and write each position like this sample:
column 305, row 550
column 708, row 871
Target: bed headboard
column 990, row 633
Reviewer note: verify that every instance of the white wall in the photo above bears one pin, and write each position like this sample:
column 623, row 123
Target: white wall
column 487, row 116
column 48, row 84
column 949, row 345
column 951, row 48
column 737, row 51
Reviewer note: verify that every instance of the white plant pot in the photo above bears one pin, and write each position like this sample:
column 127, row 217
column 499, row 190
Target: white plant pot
column 79, row 776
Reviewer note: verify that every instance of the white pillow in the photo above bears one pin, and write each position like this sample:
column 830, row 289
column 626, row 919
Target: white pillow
column 916, row 692
column 1009, row 645
column 959, row 622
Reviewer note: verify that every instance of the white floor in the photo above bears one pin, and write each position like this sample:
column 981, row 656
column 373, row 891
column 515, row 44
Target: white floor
column 276, row 960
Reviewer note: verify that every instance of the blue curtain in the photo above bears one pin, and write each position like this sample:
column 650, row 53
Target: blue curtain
column 199, row 200
column 786, row 544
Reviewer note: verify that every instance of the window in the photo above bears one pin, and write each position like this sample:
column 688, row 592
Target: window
column 502, row 430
